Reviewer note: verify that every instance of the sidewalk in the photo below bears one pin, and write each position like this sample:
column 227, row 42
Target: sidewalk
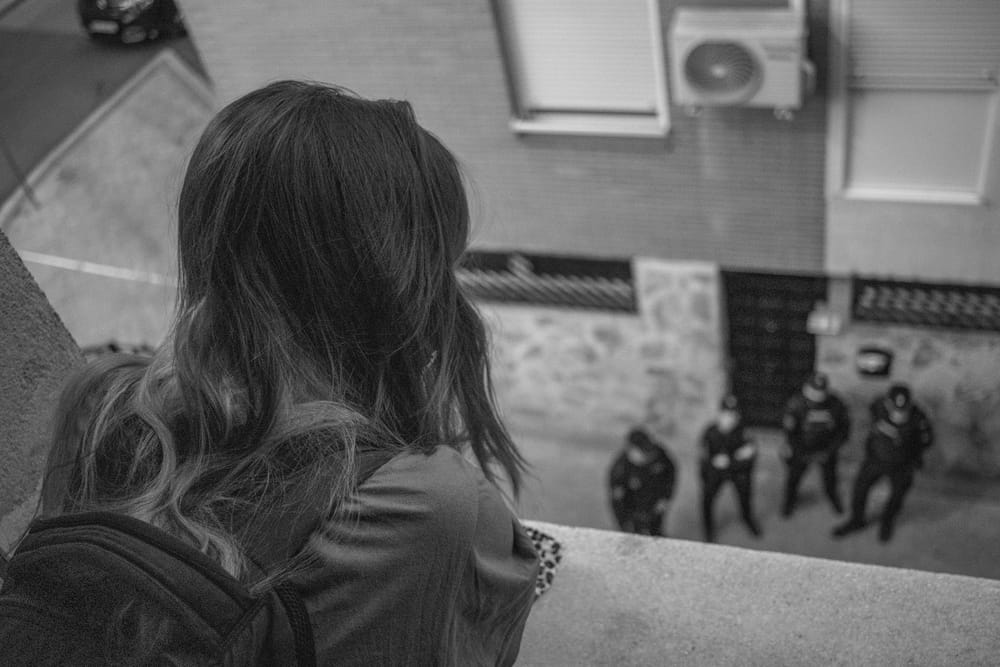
column 52, row 76
column 8, row 6
column 945, row 526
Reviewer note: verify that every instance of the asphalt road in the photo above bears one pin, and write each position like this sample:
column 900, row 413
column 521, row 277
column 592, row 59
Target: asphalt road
column 947, row 524
column 52, row 76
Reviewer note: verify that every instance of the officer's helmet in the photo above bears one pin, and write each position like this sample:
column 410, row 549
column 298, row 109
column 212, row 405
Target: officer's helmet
column 638, row 438
column 729, row 413
column 900, row 403
column 815, row 387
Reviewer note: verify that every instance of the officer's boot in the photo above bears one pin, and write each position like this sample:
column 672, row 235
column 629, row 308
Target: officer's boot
column 788, row 507
column 852, row 525
column 859, row 498
column 795, row 472
column 747, row 511
column 830, row 484
column 886, row 529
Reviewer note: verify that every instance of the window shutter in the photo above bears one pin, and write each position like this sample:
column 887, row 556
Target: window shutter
column 923, row 82
column 925, row 43
column 899, row 139
column 583, row 55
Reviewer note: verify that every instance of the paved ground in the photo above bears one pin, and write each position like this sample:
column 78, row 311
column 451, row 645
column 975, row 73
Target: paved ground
column 947, row 524
column 52, row 76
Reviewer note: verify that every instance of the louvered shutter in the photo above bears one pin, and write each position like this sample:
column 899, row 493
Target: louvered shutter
column 922, row 81
column 925, row 43
column 592, row 56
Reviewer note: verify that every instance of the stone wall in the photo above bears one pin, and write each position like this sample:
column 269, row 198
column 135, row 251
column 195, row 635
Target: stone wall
column 954, row 375
column 36, row 354
column 724, row 187
column 596, row 372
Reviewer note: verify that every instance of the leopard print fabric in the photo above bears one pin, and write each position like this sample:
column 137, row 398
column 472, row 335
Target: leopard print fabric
column 549, row 554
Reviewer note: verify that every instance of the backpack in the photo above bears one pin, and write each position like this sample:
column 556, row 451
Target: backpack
column 82, row 589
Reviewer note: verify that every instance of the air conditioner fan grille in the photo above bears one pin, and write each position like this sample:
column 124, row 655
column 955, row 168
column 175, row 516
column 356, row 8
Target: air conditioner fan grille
column 720, row 67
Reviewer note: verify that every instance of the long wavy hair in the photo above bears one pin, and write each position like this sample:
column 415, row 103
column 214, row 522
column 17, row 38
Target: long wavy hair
column 318, row 314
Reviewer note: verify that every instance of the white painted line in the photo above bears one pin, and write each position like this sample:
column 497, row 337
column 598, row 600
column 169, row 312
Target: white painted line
column 97, row 269
column 168, row 59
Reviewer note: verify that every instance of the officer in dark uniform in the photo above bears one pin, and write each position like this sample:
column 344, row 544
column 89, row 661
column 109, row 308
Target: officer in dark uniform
column 727, row 455
column 816, row 425
column 895, row 448
column 642, row 483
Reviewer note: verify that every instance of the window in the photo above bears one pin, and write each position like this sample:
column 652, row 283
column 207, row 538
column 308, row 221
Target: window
column 917, row 115
column 584, row 66
column 897, row 140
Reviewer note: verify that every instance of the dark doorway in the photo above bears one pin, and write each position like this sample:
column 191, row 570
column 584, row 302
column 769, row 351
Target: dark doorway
column 770, row 351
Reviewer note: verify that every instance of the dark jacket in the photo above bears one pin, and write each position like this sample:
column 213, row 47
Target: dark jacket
column 898, row 445
column 815, row 427
column 641, row 486
column 715, row 442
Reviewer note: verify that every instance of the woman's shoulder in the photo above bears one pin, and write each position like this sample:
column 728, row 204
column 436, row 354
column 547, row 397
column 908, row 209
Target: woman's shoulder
column 438, row 463
column 434, row 493
column 442, row 474
column 424, row 534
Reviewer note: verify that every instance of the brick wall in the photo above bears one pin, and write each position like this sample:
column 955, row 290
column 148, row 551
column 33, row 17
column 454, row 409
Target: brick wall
column 733, row 186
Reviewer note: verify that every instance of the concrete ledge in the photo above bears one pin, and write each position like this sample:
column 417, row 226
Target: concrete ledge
column 627, row 600
column 36, row 355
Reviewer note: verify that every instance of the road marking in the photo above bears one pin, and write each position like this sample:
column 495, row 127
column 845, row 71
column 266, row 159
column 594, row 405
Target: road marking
column 96, row 269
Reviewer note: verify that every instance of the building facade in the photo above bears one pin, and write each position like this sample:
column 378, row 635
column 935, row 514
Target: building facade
column 887, row 169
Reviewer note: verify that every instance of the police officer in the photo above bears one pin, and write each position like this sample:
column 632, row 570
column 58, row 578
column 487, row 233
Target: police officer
column 727, row 455
column 900, row 434
column 642, row 483
column 816, row 424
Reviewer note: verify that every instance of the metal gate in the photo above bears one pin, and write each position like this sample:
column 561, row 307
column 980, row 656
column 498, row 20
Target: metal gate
column 770, row 350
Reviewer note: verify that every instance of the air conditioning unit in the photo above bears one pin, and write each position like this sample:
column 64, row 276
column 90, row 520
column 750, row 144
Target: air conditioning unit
column 738, row 57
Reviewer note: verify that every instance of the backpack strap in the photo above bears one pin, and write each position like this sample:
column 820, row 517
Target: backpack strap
column 298, row 620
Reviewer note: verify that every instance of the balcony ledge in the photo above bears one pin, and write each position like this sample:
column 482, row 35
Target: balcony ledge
column 627, row 600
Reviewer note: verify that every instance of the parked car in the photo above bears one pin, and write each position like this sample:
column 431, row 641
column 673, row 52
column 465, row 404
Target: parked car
column 130, row 21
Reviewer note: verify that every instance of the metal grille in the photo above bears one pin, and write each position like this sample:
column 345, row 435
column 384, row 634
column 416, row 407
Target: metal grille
column 927, row 304
column 548, row 280
column 721, row 67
